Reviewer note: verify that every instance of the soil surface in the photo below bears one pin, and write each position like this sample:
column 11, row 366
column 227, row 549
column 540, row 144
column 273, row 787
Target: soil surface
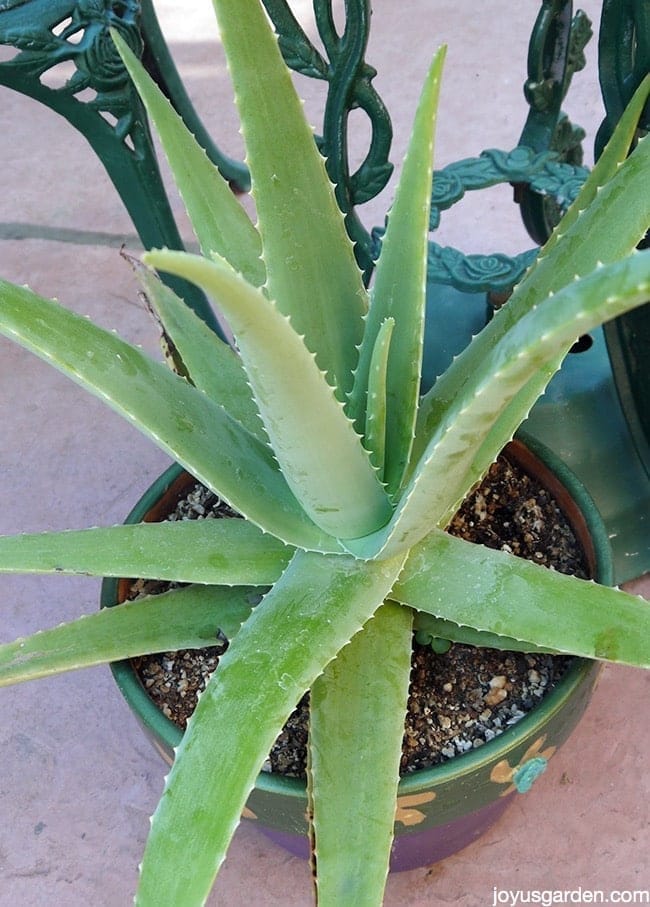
column 458, row 700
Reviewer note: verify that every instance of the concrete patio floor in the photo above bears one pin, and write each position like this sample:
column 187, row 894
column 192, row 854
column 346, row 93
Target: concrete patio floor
column 78, row 781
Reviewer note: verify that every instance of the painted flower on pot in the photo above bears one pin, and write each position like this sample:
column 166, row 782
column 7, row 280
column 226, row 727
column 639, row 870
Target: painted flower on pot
column 406, row 811
column 521, row 776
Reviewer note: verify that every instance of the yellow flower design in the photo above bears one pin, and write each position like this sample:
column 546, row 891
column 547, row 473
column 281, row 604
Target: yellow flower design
column 520, row 777
column 406, row 813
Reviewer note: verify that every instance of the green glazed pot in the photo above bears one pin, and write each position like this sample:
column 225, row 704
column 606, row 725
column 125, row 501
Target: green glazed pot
column 442, row 809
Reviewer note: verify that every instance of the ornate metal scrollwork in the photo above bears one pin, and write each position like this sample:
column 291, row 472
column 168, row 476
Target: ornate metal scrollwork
column 48, row 34
column 555, row 54
column 98, row 99
column 544, row 172
column 623, row 60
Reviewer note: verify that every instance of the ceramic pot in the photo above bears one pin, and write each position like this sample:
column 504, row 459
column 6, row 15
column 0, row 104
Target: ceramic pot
column 442, row 809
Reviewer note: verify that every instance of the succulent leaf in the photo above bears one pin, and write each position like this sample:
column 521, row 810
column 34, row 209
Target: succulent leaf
column 219, row 220
column 189, row 618
column 177, row 417
column 614, row 153
column 615, row 218
column 313, row 610
column 318, row 450
column 311, row 269
column 430, row 629
column 399, row 289
column 375, row 428
column 221, row 551
column 369, row 676
column 496, row 592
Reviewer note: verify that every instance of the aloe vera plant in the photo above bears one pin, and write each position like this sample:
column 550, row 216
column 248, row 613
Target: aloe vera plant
column 313, row 428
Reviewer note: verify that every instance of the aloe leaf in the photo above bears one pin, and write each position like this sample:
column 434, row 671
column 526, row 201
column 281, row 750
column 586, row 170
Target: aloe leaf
column 430, row 628
column 354, row 773
column 609, row 228
column 315, row 443
column 311, row 268
column 219, row 220
column 465, row 443
column 213, row 367
column 189, row 618
column 615, row 219
column 496, row 592
column 313, row 610
column 178, row 418
column 616, row 150
column 399, row 289
column 219, row 551
column 375, row 428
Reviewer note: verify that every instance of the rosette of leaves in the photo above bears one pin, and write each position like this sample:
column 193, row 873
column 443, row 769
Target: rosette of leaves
column 313, row 428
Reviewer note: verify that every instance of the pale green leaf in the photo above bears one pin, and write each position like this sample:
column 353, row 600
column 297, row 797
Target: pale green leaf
column 182, row 421
column 399, row 289
column 614, row 153
column 499, row 593
column 363, row 692
column 215, row 551
column 316, row 607
column 189, row 618
column 311, row 269
column 213, row 366
column 315, row 443
column 430, row 628
column 219, row 220
column 459, row 453
column 375, row 433
column 608, row 229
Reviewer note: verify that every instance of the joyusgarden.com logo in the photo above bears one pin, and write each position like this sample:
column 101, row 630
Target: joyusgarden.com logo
column 568, row 896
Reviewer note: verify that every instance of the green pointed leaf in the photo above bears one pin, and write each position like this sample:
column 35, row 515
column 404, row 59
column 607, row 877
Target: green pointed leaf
column 429, row 628
column 189, row 618
column 219, row 551
column 314, row 442
column 399, row 289
column 319, row 603
column 178, row 418
column 213, row 367
column 496, row 592
column 614, row 153
column 375, row 429
column 219, row 221
column 369, row 677
column 311, row 269
column 608, row 229
column 464, row 442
